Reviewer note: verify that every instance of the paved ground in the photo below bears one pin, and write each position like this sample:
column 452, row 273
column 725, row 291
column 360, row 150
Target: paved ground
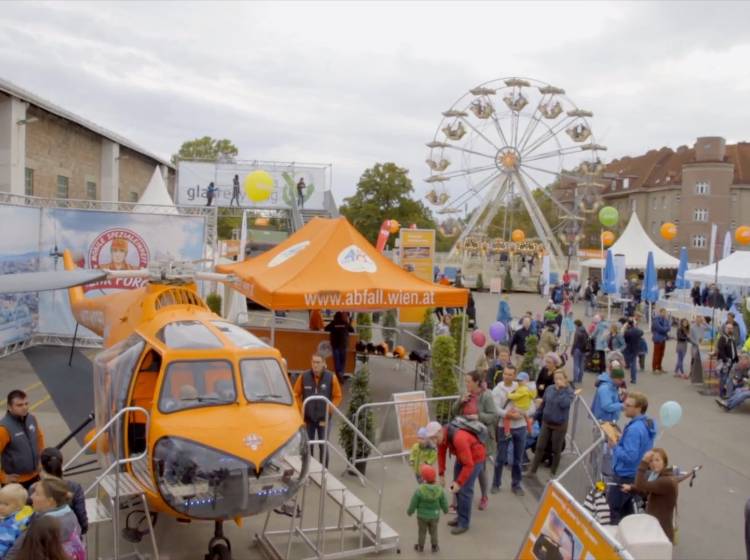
column 710, row 513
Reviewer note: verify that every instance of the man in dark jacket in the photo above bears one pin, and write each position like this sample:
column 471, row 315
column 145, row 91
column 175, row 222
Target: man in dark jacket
column 633, row 337
column 637, row 438
column 339, row 329
column 660, row 328
column 470, row 456
column 519, row 337
column 317, row 381
column 21, row 442
column 726, row 353
column 579, row 350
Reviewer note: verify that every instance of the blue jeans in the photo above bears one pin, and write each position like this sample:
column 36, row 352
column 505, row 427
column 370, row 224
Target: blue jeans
column 620, row 503
column 739, row 396
column 518, row 437
column 466, row 493
column 632, row 362
column 577, row 365
column 680, row 366
column 723, row 378
column 339, row 361
column 317, row 432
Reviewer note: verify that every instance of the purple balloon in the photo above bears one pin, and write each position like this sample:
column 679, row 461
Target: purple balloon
column 478, row 338
column 497, row 331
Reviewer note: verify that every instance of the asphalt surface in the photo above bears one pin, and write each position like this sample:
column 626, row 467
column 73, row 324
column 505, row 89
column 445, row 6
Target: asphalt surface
column 710, row 513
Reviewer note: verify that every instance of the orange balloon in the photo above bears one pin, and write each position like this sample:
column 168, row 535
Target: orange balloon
column 742, row 235
column 608, row 238
column 518, row 235
column 668, row 231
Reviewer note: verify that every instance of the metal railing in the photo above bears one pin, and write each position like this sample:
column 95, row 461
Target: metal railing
column 115, row 465
column 394, row 404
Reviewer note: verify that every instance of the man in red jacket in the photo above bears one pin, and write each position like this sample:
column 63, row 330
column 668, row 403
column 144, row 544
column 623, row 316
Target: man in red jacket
column 470, row 456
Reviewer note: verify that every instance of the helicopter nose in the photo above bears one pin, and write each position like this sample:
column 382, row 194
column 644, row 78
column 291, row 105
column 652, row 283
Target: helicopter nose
column 205, row 483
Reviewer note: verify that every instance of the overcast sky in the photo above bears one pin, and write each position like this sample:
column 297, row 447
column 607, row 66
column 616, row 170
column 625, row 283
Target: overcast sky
column 355, row 84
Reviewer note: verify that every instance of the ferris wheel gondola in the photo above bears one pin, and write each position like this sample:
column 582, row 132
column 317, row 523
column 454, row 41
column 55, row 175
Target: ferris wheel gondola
column 506, row 138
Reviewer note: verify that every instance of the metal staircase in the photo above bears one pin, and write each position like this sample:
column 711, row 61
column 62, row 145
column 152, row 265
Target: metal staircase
column 118, row 491
column 353, row 515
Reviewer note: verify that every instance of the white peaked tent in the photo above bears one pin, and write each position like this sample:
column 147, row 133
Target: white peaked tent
column 156, row 198
column 733, row 270
column 635, row 244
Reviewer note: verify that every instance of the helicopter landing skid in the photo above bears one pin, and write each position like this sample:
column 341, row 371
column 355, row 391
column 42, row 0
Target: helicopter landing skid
column 219, row 547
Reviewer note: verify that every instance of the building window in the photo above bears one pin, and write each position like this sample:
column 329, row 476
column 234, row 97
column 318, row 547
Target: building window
column 626, row 183
column 653, row 227
column 678, row 198
column 29, row 182
column 700, row 215
column 702, row 187
column 699, row 241
column 91, row 190
column 62, row 187
column 732, row 224
column 133, row 196
column 676, row 221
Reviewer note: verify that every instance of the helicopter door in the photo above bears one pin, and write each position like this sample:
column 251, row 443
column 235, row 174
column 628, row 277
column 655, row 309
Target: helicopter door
column 142, row 395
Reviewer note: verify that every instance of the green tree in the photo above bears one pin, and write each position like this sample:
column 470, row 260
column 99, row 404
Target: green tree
column 384, row 192
column 444, row 382
column 206, row 148
column 528, row 364
column 360, row 394
column 226, row 223
column 364, row 326
column 213, row 300
column 390, row 321
column 426, row 328
column 457, row 332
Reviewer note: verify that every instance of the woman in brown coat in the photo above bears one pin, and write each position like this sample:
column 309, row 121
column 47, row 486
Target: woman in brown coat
column 660, row 487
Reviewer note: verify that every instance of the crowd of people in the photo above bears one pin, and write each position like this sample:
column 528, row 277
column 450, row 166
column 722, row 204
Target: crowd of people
column 42, row 516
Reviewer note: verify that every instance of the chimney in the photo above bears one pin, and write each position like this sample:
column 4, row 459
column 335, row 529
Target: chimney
column 710, row 148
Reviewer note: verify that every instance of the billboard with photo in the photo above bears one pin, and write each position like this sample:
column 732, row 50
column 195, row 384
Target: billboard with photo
column 19, row 252
column 418, row 257
column 194, row 177
column 112, row 240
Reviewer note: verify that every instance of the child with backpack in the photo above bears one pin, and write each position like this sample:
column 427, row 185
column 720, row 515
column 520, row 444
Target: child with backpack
column 428, row 501
column 424, row 452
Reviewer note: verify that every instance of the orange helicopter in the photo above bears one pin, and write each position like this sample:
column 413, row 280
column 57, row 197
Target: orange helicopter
column 224, row 432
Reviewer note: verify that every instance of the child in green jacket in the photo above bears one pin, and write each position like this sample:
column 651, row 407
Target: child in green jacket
column 424, row 452
column 427, row 501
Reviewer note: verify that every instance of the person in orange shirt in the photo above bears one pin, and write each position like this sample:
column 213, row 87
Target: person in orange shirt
column 317, row 381
column 21, row 442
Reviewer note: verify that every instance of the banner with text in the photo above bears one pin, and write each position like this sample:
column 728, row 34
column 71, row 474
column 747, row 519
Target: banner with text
column 282, row 191
column 418, row 257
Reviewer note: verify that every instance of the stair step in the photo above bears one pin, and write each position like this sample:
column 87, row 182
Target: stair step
column 97, row 512
column 129, row 486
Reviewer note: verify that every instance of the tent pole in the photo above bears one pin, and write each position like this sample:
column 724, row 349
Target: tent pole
column 273, row 327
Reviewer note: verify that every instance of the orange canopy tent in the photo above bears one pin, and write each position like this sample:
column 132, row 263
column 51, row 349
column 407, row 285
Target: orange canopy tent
column 329, row 265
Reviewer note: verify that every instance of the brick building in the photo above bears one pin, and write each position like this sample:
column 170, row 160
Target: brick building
column 49, row 152
column 690, row 187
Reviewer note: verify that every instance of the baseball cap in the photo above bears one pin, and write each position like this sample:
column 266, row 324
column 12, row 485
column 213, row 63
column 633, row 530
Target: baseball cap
column 617, row 373
column 433, row 429
column 427, row 473
column 422, row 433
column 523, row 376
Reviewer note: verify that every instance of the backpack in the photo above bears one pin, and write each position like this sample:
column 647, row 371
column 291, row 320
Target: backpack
column 473, row 426
column 587, row 343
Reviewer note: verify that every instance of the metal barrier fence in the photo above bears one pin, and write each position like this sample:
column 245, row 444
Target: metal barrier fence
column 585, row 449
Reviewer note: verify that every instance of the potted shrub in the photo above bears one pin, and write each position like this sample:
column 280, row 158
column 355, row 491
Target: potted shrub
column 479, row 286
column 360, row 394
column 456, row 329
column 444, row 382
column 426, row 330
column 529, row 362
column 364, row 326
column 508, row 281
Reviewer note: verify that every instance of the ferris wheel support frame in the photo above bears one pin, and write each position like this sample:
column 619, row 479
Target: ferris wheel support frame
column 540, row 224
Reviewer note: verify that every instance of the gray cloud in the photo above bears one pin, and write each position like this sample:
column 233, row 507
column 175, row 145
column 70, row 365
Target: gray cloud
column 353, row 84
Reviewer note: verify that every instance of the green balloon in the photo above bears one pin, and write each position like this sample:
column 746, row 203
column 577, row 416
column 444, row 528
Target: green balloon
column 609, row 216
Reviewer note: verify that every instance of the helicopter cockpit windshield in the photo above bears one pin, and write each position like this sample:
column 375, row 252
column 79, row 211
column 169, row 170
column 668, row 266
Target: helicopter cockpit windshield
column 263, row 380
column 198, row 383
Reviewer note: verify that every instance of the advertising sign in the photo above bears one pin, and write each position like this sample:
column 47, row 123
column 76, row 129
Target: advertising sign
column 563, row 530
column 112, row 240
column 411, row 416
column 19, row 252
column 261, row 184
column 417, row 255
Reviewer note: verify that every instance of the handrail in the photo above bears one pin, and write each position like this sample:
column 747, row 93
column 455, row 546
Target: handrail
column 106, row 426
column 388, row 403
column 419, row 338
column 321, row 508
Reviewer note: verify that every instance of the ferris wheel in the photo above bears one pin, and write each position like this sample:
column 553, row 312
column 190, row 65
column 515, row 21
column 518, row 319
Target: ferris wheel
column 505, row 138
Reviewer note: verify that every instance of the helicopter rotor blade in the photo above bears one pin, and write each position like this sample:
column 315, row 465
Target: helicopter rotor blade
column 138, row 273
column 215, row 277
column 48, row 280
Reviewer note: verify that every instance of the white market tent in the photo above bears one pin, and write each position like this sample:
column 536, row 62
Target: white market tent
column 156, row 197
column 635, row 244
column 733, row 270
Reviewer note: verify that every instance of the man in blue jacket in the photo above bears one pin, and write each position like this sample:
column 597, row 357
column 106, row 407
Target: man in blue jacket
column 660, row 328
column 607, row 404
column 637, row 438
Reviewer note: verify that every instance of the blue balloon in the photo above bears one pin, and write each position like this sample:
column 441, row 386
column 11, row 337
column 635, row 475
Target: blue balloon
column 670, row 413
column 497, row 331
